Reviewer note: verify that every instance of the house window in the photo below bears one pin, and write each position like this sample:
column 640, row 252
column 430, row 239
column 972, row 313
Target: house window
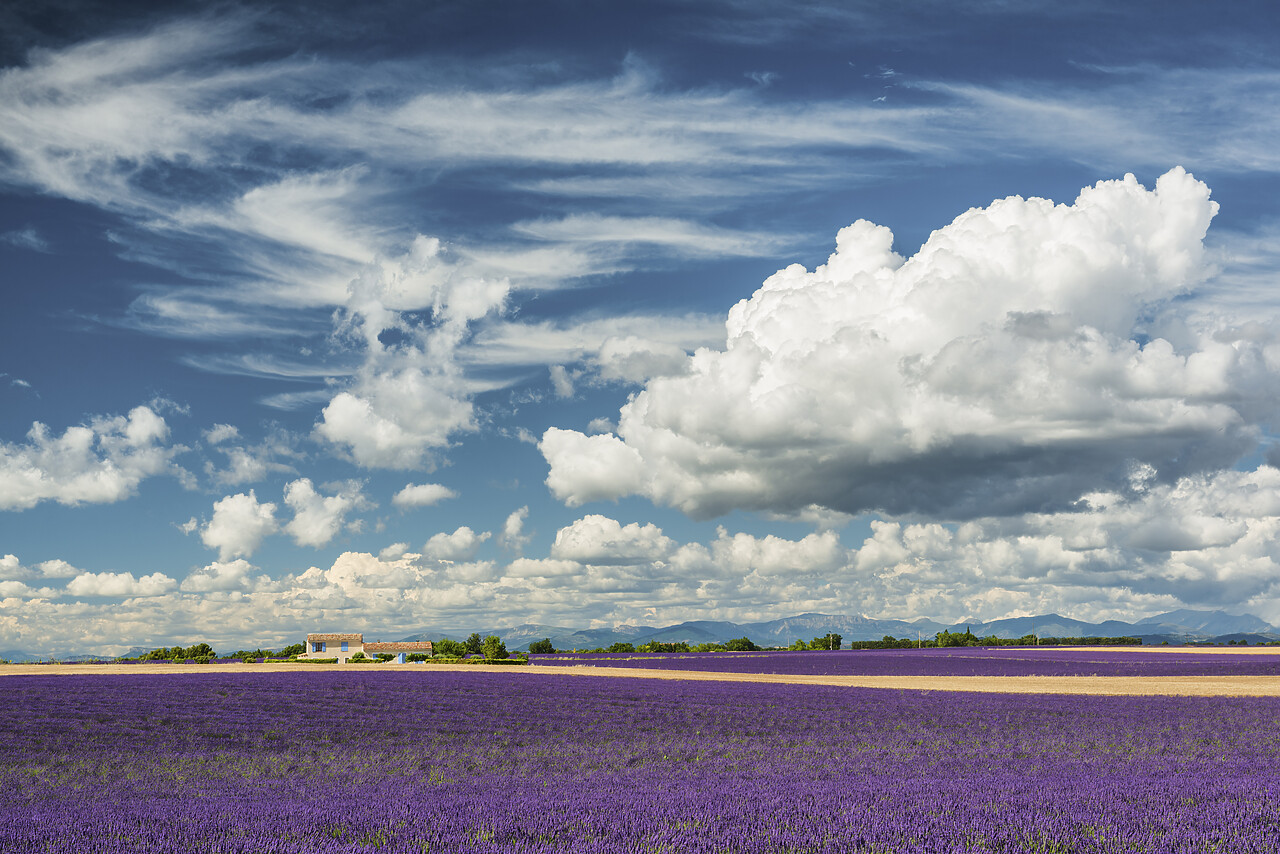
column 344, row 646
column 318, row 646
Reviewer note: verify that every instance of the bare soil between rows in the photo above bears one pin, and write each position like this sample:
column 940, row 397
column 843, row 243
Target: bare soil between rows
column 1180, row 686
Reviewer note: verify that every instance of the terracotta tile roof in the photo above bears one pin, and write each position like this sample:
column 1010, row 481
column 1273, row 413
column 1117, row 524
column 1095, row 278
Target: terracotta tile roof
column 336, row 636
column 402, row 646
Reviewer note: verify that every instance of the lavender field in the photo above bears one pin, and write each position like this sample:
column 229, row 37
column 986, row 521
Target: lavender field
column 365, row 761
column 957, row 661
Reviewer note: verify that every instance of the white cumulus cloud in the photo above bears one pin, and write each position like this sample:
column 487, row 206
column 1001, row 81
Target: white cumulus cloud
column 600, row 540
column 120, row 585
column 422, row 495
column 513, row 536
column 1006, row 366
column 460, row 545
column 318, row 518
column 219, row 576
column 240, row 522
column 98, row 463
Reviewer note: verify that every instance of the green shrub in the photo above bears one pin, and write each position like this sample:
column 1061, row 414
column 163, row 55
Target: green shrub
column 450, row 648
column 494, row 649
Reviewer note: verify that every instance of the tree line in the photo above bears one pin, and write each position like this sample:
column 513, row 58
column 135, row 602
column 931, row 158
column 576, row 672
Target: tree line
column 968, row 638
column 825, row 642
column 492, row 648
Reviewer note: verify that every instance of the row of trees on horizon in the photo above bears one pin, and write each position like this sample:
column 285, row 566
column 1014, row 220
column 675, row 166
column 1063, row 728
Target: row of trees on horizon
column 494, row 648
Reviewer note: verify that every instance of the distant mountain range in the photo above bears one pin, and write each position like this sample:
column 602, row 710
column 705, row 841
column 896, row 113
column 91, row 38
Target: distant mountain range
column 1175, row 627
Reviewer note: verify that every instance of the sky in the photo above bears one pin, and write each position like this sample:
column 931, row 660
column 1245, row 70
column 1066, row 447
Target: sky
column 380, row 318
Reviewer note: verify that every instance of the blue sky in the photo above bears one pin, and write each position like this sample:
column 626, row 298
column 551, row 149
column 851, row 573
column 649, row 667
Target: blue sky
column 461, row 314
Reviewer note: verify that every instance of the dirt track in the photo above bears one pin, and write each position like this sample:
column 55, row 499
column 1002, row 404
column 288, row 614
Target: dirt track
column 1199, row 686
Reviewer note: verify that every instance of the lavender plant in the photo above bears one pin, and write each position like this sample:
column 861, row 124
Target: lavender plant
column 955, row 661
column 331, row 761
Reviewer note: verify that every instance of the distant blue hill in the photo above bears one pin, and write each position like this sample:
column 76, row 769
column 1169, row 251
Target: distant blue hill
column 1175, row 626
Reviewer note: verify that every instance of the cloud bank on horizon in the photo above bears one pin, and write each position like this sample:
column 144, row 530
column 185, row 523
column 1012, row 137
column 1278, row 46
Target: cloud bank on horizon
column 447, row 337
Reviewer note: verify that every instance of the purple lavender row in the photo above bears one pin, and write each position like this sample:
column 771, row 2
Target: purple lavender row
column 976, row 661
column 492, row 762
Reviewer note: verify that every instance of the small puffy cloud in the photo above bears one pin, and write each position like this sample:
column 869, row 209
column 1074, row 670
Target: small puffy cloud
column 460, row 545
column 119, row 585
column 422, row 495
column 513, row 536
column 1010, row 364
column 219, row 576
column 561, row 381
column 603, row 541
column 98, row 463
column 239, row 524
column 57, row 568
column 318, row 518
column 219, row 433
column 395, row 551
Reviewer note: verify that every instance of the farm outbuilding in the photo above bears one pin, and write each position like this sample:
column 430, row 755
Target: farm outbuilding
column 343, row 645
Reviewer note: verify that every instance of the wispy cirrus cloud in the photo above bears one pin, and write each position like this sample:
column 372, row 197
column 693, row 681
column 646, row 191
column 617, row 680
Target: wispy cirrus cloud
column 297, row 193
column 26, row 238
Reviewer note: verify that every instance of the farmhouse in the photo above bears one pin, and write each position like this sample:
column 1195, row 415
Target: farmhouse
column 342, row 646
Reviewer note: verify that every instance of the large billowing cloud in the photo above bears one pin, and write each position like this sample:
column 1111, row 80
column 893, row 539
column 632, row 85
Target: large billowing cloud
column 1027, row 354
column 98, row 463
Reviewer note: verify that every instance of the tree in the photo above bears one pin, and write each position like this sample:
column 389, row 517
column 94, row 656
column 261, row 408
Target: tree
column 621, row 646
column 659, row 646
column 740, row 645
column 957, row 639
column 474, row 643
column 449, row 648
column 493, row 647
column 293, row 649
column 829, row 641
column 542, row 647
